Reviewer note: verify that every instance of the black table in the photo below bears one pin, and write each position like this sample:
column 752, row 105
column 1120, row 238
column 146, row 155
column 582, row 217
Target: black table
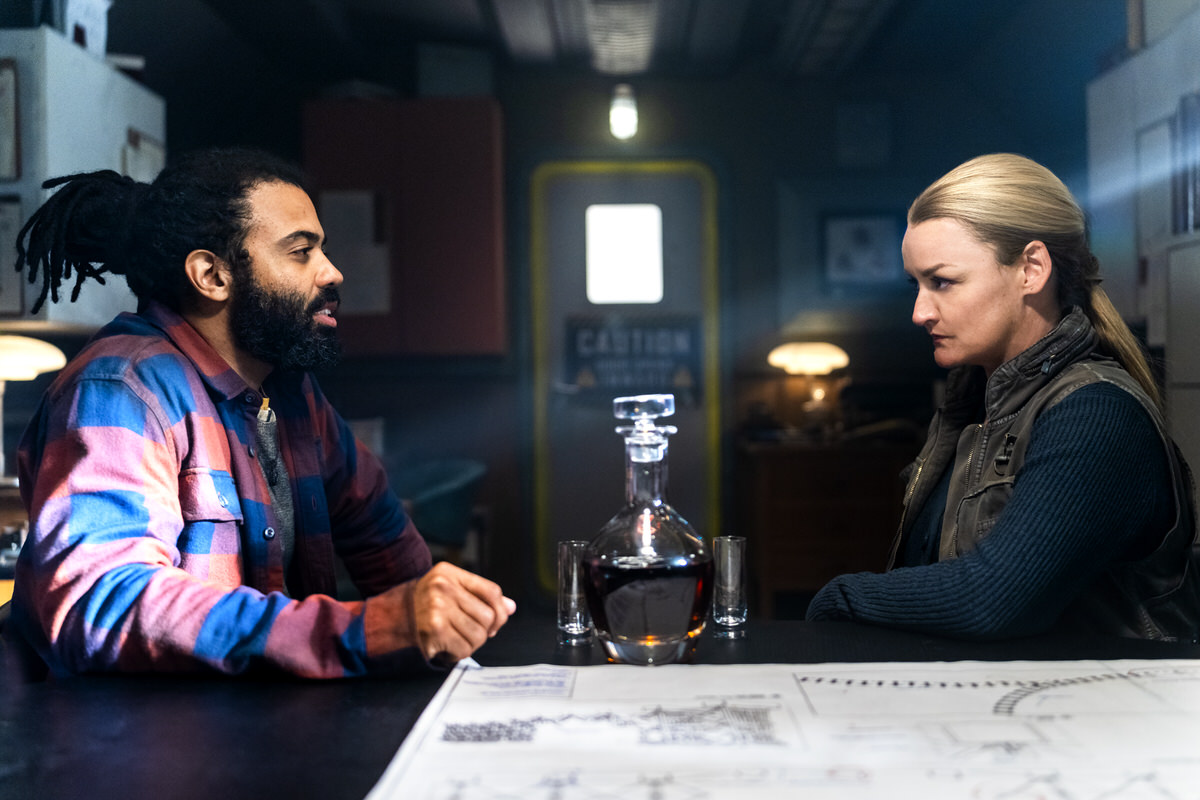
column 169, row 737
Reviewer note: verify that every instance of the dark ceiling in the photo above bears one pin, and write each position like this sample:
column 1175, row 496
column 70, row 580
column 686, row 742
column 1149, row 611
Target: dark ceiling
column 236, row 71
column 789, row 38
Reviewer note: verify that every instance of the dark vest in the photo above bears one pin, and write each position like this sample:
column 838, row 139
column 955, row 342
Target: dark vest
column 1156, row 597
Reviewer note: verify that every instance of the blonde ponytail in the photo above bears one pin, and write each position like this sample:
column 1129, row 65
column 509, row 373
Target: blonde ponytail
column 1120, row 342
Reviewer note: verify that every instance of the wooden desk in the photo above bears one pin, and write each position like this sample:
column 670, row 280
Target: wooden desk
column 812, row 512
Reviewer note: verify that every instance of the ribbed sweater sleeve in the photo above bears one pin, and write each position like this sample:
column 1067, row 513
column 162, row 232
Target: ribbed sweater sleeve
column 1095, row 488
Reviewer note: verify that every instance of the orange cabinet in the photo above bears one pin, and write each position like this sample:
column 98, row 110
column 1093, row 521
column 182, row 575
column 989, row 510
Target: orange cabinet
column 432, row 172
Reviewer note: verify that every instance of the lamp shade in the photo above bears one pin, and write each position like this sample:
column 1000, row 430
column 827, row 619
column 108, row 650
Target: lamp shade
column 808, row 358
column 23, row 358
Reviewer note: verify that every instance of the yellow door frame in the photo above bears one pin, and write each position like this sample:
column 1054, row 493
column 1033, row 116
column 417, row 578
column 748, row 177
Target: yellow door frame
column 543, row 175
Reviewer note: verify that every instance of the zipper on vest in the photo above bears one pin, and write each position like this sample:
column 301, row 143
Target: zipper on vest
column 971, row 456
column 912, row 489
column 908, row 495
column 966, row 484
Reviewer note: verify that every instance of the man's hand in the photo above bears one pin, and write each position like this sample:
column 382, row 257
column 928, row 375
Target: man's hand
column 448, row 613
column 456, row 612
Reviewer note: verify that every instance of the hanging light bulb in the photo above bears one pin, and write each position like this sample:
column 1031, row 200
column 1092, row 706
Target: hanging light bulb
column 622, row 112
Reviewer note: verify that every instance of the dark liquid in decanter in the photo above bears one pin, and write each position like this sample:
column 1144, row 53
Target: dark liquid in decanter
column 648, row 611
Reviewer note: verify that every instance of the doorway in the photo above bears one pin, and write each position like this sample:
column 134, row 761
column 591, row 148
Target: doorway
column 624, row 301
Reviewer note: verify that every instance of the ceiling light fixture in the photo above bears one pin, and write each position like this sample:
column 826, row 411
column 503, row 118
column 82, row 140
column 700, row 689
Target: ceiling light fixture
column 623, row 113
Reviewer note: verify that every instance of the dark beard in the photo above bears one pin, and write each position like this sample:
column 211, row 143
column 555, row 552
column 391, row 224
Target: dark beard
column 278, row 328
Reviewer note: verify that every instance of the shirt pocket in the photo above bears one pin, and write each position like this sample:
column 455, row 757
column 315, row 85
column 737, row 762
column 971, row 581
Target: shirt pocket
column 212, row 516
column 209, row 543
column 208, row 495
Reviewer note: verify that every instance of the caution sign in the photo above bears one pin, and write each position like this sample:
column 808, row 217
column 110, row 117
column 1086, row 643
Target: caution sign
column 609, row 357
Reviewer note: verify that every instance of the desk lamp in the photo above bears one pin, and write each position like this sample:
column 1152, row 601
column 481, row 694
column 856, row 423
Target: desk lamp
column 810, row 359
column 23, row 358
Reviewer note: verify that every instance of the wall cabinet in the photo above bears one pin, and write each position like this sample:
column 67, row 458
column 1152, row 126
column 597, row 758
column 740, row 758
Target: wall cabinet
column 1143, row 170
column 75, row 113
column 415, row 190
column 813, row 512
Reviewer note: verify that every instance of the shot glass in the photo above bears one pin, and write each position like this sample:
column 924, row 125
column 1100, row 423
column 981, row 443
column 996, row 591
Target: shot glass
column 574, row 619
column 729, row 584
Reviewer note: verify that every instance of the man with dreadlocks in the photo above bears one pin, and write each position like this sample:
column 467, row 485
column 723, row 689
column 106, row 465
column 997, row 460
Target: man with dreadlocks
column 188, row 484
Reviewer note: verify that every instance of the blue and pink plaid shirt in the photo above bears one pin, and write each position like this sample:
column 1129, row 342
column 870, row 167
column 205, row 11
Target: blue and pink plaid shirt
column 152, row 539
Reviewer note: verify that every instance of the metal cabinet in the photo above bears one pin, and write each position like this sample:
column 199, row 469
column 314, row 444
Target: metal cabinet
column 75, row 113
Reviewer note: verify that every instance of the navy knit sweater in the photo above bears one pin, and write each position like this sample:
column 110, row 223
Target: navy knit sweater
column 1095, row 489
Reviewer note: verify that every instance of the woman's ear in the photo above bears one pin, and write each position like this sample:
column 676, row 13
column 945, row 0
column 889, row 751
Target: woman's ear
column 209, row 275
column 1036, row 267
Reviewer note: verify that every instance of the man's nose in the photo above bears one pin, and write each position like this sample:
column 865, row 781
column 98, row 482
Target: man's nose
column 329, row 275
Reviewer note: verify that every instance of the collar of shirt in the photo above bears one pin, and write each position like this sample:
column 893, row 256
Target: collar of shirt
column 213, row 369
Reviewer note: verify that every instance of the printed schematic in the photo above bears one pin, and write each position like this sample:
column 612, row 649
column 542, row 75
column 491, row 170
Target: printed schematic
column 1070, row 730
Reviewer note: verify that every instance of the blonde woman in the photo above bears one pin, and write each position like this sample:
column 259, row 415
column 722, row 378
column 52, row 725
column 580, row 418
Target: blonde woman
column 1048, row 494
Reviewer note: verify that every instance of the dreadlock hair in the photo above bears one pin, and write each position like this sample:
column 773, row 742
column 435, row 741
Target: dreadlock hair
column 103, row 222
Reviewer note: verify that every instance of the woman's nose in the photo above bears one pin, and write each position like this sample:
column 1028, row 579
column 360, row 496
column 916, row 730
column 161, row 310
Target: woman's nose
column 922, row 310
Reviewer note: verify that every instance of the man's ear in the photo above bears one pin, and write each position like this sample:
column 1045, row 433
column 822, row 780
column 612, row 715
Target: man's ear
column 1036, row 267
column 209, row 275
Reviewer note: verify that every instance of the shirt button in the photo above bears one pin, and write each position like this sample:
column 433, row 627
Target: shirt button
column 268, row 533
column 249, row 398
column 221, row 499
column 251, row 449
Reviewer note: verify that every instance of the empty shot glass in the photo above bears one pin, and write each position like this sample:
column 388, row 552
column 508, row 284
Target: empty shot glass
column 729, row 595
column 574, row 619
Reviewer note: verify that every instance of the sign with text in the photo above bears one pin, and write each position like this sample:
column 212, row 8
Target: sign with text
column 607, row 357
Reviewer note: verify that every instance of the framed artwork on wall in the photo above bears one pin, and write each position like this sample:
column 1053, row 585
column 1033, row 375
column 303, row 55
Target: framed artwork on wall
column 10, row 140
column 863, row 249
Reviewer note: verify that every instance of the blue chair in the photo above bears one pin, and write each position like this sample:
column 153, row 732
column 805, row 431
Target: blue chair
column 440, row 496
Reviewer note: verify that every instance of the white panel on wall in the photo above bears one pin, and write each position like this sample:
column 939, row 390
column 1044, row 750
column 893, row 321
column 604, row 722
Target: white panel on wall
column 1183, row 349
column 1154, row 185
column 1153, row 222
column 1161, row 16
column 1183, row 315
column 1166, row 70
column 1112, row 185
column 1183, row 414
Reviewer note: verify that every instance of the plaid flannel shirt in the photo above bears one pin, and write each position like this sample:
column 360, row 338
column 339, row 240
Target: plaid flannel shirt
column 151, row 543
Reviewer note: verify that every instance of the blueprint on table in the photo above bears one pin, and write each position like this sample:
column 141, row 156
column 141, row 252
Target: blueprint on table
column 1065, row 729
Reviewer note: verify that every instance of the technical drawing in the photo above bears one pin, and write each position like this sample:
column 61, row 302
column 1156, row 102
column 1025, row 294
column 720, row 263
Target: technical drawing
column 705, row 725
column 1070, row 730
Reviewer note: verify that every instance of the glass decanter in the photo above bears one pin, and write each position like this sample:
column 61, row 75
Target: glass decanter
column 648, row 574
